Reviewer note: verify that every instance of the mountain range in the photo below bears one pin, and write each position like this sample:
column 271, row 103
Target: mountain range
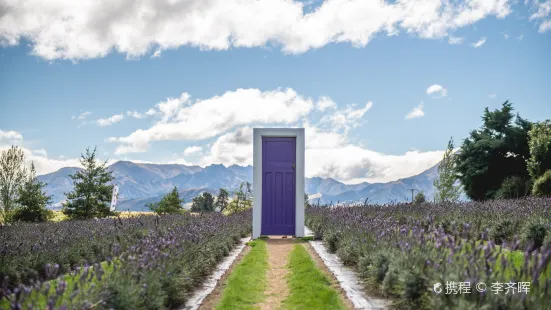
column 141, row 183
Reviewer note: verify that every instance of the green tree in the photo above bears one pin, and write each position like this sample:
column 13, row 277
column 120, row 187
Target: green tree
column 91, row 195
column 499, row 149
column 513, row 187
column 539, row 143
column 542, row 185
column 419, row 198
column 171, row 203
column 203, row 203
column 222, row 199
column 12, row 176
column 243, row 200
column 32, row 200
column 306, row 202
column 445, row 184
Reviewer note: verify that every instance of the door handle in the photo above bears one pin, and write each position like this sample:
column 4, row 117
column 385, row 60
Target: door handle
column 293, row 166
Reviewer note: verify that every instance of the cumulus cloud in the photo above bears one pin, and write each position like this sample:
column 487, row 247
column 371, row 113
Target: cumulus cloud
column 416, row 112
column 85, row 29
column 138, row 115
column 82, row 116
column 346, row 119
column 110, row 121
column 479, row 43
column 329, row 155
column 42, row 162
column 325, row 103
column 184, row 119
column 437, row 91
column 157, row 54
column 10, row 136
column 455, row 40
column 543, row 9
column 192, row 150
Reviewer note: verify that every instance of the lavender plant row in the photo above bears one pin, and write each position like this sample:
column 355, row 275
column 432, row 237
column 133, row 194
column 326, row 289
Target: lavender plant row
column 431, row 256
column 138, row 263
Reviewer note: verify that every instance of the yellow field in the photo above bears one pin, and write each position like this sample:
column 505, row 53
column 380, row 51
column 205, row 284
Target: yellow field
column 59, row 216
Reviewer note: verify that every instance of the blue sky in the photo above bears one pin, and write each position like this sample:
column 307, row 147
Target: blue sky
column 347, row 71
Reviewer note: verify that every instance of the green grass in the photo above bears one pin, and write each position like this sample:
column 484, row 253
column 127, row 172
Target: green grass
column 246, row 285
column 309, row 287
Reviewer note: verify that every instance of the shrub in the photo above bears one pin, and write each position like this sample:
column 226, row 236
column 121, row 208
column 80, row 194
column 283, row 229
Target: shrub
column 542, row 185
column 534, row 233
column 419, row 198
column 332, row 239
column 348, row 253
column 503, row 231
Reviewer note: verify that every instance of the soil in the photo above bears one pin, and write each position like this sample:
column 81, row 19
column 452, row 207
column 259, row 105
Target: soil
column 277, row 290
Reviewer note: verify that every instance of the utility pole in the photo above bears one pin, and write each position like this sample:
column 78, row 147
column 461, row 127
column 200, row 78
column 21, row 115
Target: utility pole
column 412, row 190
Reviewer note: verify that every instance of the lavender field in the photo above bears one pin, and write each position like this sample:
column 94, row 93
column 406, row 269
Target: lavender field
column 144, row 262
column 431, row 256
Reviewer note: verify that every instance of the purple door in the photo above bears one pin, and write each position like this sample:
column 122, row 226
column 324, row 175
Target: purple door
column 278, row 186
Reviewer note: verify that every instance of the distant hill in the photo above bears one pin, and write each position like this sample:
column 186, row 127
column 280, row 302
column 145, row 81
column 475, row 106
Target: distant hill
column 145, row 183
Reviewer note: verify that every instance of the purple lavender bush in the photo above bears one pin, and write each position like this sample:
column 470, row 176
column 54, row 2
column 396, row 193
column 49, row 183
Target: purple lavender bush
column 154, row 266
column 402, row 251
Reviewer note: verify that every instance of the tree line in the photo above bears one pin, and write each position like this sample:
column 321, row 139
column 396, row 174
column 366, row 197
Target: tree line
column 22, row 195
column 507, row 157
column 206, row 202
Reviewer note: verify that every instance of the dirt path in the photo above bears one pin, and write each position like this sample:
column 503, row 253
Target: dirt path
column 276, row 288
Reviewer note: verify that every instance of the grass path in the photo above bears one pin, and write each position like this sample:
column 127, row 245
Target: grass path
column 246, row 284
column 280, row 274
column 310, row 287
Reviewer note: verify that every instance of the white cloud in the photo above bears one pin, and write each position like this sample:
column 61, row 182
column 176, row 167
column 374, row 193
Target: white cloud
column 492, row 96
column 346, row 119
column 10, row 135
column 325, row 103
column 455, row 40
column 329, row 155
column 41, row 152
column 110, row 121
column 182, row 119
column 416, row 112
column 543, row 10
column 42, row 163
column 84, row 29
column 479, row 43
column 157, row 54
column 192, row 150
column 520, row 37
column 82, row 116
column 135, row 114
column 545, row 26
column 505, row 36
column 437, row 91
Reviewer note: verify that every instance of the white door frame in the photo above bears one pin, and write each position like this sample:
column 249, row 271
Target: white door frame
column 297, row 133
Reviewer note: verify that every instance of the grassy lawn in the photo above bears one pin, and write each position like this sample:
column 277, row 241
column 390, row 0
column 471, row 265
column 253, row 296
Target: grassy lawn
column 246, row 285
column 309, row 287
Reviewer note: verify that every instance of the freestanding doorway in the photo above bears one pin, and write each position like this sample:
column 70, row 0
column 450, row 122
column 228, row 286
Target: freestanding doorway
column 278, row 181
